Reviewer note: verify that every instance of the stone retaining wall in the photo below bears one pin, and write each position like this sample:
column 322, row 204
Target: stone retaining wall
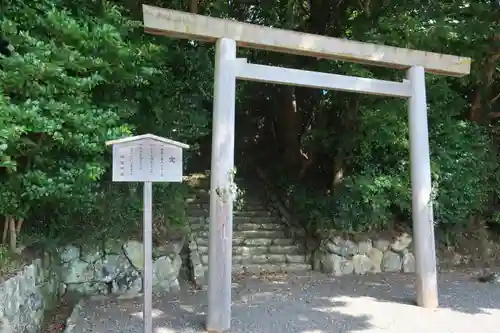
column 339, row 256
column 25, row 297
column 117, row 267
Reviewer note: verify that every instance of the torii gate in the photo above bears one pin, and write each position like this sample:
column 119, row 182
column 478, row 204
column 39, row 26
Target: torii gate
column 228, row 35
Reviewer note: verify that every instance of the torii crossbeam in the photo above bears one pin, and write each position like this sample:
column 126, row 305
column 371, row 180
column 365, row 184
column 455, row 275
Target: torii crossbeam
column 228, row 35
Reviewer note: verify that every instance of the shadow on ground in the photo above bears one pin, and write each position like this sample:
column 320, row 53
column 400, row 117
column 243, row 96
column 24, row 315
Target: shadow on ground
column 313, row 303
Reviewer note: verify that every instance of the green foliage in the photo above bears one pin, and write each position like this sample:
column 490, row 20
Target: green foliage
column 377, row 193
column 82, row 74
column 55, row 139
column 85, row 72
column 9, row 262
column 365, row 139
column 117, row 214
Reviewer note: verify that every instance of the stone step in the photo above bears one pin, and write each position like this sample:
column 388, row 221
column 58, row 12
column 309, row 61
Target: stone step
column 199, row 184
column 271, row 268
column 254, row 212
column 198, row 213
column 268, row 268
column 237, row 219
column 194, row 200
column 273, row 259
column 203, row 195
column 256, row 219
column 196, row 219
column 198, row 222
column 197, row 208
column 203, row 241
column 270, row 259
column 205, row 202
column 251, row 234
column 257, row 226
column 248, row 234
column 294, row 249
column 243, row 213
column 203, row 181
column 203, row 225
column 205, row 205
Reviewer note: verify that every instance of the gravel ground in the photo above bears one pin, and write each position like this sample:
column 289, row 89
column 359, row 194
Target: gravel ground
column 313, row 303
column 55, row 321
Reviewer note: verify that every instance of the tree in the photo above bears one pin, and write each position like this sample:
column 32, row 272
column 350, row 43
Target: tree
column 345, row 156
column 83, row 73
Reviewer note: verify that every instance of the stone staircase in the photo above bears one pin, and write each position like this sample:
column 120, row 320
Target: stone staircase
column 260, row 242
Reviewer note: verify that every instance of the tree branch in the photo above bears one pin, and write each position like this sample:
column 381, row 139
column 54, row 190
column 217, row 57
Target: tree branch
column 494, row 115
column 495, row 99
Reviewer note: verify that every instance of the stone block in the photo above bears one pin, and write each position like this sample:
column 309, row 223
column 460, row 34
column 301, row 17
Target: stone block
column 401, row 243
column 376, row 257
column 391, row 262
column 69, row 253
column 341, row 247
column 381, row 244
column 364, row 247
column 362, row 264
column 134, row 251
column 409, row 263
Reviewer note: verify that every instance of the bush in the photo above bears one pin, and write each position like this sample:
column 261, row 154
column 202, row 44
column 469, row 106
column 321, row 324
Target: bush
column 9, row 261
column 376, row 193
column 117, row 213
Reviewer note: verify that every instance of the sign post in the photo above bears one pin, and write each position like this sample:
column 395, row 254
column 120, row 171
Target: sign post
column 147, row 158
column 148, row 257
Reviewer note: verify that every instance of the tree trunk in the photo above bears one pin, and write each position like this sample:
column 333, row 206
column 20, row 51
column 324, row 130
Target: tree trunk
column 481, row 100
column 193, row 6
column 6, row 225
column 349, row 123
column 12, row 228
column 484, row 86
column 289, row 128
column 13, row 235
column 19, row 225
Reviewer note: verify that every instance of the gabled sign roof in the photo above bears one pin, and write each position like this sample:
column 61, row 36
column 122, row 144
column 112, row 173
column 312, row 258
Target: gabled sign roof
column 150, row 137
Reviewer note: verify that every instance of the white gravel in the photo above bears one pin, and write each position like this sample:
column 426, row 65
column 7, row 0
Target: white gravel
column 312, row 303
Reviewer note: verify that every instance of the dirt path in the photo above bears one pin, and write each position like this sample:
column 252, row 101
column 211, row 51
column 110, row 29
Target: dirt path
column 313, row 303
column 55, row 321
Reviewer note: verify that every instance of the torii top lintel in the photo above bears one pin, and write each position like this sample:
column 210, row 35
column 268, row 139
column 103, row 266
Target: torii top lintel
column 203, row 28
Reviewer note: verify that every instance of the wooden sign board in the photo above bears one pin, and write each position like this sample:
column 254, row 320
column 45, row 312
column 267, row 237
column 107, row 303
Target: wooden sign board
column 147, row 158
